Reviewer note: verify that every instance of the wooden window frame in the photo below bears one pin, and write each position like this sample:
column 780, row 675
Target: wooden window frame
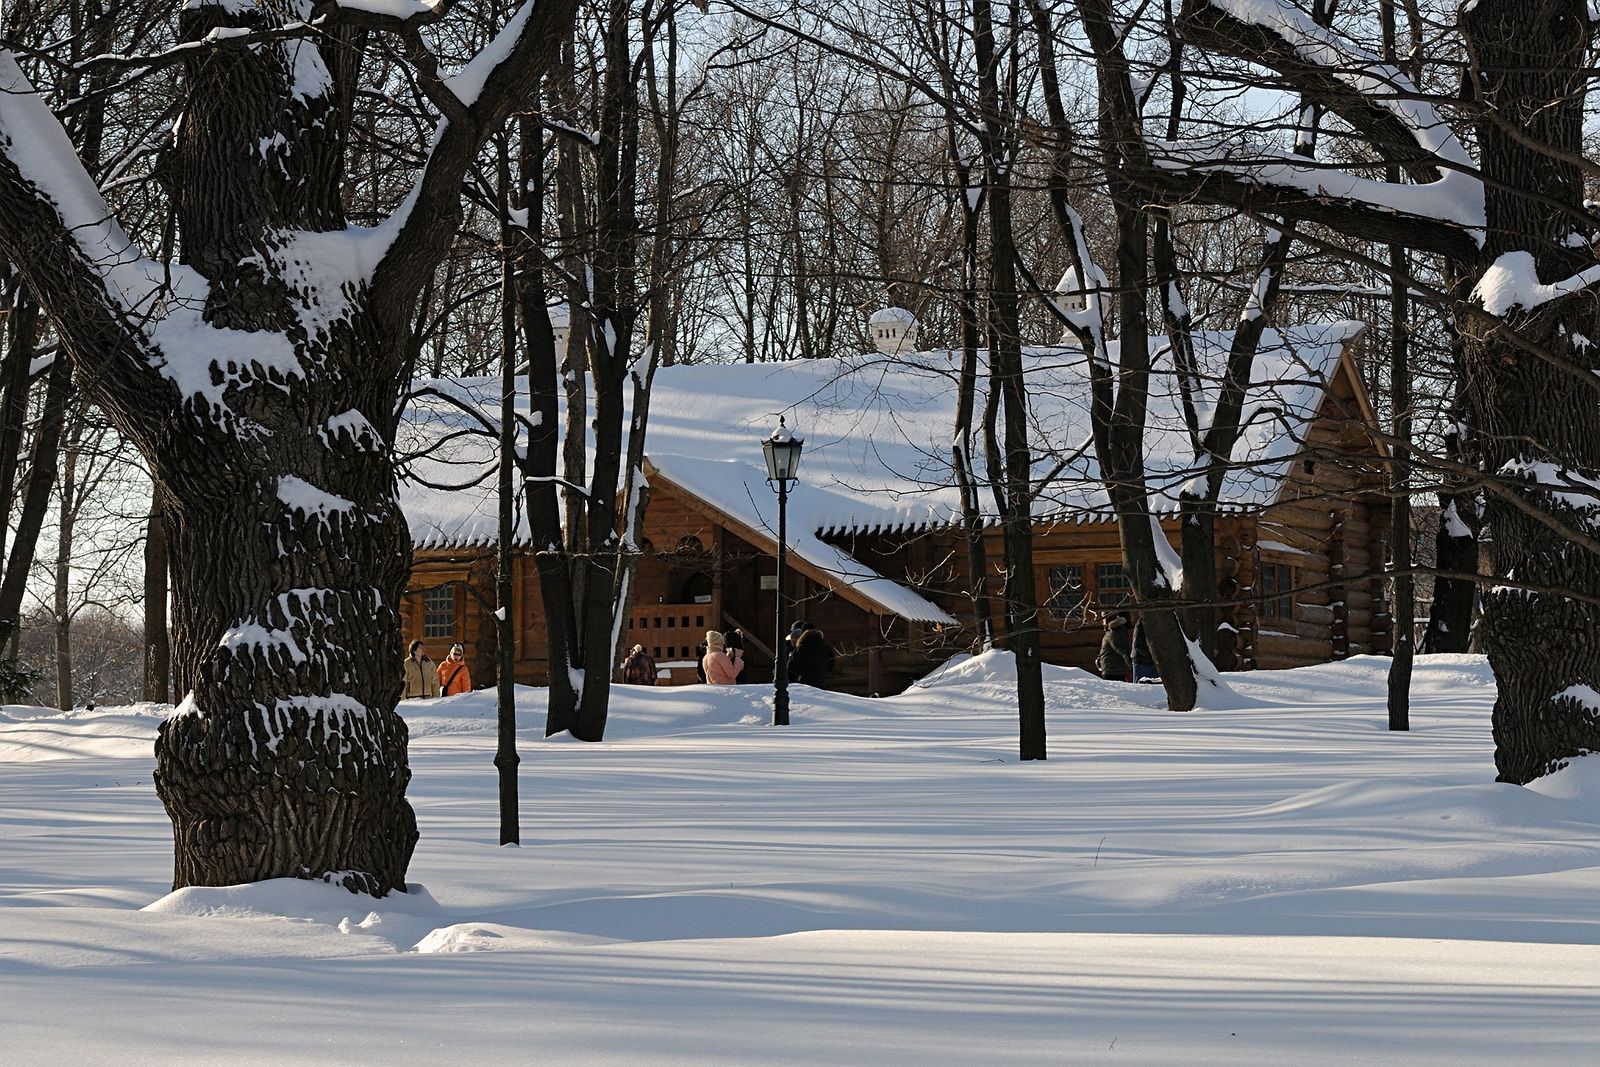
column 1120, row 588
column 439, row 602
column 1067, row 600
column 1277, row 592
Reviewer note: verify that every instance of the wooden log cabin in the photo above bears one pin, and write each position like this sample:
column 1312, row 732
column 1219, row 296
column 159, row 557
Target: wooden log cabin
column 877, row 560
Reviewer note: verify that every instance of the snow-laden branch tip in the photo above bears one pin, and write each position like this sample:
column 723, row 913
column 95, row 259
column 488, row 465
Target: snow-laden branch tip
column 35, row 143
column 588, row 137
column 1565, row 485
column 402, row 10
column 1087, row 322
column 564, row 483
column 468, row 84
column 1169, row 566
column 1512, row 282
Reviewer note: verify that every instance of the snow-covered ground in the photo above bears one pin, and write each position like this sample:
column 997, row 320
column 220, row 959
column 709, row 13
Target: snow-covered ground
column 1280, row 881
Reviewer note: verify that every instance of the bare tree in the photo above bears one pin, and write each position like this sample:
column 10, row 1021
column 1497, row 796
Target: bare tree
column 1513, row 216
column 622, row 230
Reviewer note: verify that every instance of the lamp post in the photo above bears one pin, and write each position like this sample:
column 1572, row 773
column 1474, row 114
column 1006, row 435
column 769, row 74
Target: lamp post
column 783, row 461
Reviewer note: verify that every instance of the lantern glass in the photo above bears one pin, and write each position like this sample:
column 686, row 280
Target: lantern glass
column 783, row 455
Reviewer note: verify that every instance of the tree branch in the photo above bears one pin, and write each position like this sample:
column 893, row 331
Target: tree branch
column 504, row 76
column 1232, row 183
column 59, row 232
column 1378, row 101
column 1373, row 96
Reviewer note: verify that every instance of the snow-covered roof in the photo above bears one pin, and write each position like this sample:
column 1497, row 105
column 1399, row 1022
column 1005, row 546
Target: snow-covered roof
column 447, row 448
column 888, row 315
column 877, row 434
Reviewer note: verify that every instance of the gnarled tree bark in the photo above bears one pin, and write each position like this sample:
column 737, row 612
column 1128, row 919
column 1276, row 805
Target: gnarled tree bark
column 260, row 377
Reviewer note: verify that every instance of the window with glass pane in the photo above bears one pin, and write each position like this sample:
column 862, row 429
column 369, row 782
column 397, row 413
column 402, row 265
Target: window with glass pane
column 1066, row 592
column 1277, row 596
column 439, row 612
column 1113, row 589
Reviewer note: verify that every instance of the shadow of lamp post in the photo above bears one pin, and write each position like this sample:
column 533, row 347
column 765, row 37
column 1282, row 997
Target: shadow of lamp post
column 783, row 462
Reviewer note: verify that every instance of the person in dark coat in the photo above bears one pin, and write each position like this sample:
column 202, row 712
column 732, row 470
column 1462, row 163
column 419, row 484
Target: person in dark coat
column 639, row 668
column 812, row 660
column 1115, row 662
column 798, row 627
column 1144, row 664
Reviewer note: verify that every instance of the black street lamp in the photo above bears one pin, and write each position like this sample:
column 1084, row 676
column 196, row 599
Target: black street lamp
column 783, row 462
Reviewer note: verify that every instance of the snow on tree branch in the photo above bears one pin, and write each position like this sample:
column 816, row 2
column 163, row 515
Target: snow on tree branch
column 504, row 75
column 122, row 312
column 35, row 146
column 1379, row 91
column 1268, row 186
column 1379, row 102
column 1512, row 282
column 399, row 10
column 1455, row 199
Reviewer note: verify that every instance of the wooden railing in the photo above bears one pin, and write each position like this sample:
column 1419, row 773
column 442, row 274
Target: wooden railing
column 670, row 633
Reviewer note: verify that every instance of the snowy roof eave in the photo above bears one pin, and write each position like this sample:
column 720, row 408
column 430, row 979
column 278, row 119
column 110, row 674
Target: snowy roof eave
column 818, row 560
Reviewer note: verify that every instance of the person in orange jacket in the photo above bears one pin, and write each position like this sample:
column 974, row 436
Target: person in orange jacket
column 453, row 676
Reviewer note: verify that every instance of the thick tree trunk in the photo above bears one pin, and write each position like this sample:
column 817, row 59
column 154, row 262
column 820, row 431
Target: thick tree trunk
column 1533, row 391
column 259, row 377
column 286, row 759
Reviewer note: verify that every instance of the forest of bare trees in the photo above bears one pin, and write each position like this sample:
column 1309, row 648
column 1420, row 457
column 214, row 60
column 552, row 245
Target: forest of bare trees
column 235, row 238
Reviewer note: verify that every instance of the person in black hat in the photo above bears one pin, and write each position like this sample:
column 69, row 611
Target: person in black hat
column 800, row 626
column 811, row 660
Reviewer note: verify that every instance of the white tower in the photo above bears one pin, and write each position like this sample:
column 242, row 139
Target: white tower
column 1069, row 294
column 561, row 326
column 893, row 330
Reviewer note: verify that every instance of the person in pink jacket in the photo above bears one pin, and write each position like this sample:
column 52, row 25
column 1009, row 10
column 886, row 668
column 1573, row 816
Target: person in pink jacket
column 721, row 666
